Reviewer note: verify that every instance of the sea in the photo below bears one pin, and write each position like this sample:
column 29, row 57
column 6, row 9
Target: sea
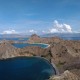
column 25, row 39
column 71, row 38
column 15, row 39
column 22, row 45
column 26, row 68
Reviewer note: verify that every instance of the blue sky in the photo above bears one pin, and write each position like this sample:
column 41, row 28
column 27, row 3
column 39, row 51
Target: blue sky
column 33, row 16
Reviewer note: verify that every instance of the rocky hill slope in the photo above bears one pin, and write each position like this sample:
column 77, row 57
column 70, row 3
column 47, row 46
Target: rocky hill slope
column 7, row 50
column 67, row 75
column 37, row 39
column 65, row 54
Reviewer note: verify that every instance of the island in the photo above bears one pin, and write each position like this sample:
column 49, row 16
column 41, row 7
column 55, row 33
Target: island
column 65, row 54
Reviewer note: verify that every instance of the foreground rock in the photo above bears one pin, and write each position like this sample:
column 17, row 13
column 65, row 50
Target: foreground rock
column 7, row 50
column 67, row 75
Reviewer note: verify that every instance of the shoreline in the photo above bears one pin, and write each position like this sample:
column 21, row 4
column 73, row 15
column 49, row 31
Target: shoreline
column 15, row 42
column 48, row 45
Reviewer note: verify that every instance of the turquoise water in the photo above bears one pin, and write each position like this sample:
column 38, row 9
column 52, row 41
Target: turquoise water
column 25, row 39
column 15, row 39
column 26, row 68
column 21, row 45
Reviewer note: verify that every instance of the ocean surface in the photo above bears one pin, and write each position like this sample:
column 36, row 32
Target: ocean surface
column 71, row 38
column 15, row 39
column 25, row 39
column 22, row 45
column 26, row 68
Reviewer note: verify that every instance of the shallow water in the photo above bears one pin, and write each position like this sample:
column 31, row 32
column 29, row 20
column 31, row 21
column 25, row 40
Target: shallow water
column 21, row 45
column 26, row 68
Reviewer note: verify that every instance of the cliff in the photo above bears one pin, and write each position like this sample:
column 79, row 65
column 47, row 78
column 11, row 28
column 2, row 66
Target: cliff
column 67, row 75
column 7, row 50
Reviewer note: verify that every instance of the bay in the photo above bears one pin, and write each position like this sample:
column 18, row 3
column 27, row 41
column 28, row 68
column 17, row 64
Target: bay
column 26, row 68
column 22, row 45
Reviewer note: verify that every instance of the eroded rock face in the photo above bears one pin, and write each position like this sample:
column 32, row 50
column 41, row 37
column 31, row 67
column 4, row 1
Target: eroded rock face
column 36, row 51
column 7, row 50
column 34, row 38
column 67, row 75
column 37, row 39
column 73, row 47
column 63, row 57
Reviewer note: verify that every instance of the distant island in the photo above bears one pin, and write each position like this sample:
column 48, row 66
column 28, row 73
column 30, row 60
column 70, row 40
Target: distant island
column 65, row 54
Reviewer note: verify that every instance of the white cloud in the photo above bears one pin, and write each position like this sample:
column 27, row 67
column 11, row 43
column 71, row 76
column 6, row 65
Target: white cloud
column 59, row 28
column 32, row 31
column 9, row 32
column 43, row 31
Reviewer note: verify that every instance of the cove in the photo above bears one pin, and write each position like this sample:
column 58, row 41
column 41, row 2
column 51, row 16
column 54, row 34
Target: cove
column 26, row 68
column 22, row 45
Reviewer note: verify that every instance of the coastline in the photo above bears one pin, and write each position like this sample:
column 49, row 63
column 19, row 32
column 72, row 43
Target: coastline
column 48, row 45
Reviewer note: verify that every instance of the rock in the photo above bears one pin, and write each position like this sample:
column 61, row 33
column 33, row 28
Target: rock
column 7, row 50
column 37, row 39
column 36, row 51
column 34, row 39
column 67, row 75
column 65, row 54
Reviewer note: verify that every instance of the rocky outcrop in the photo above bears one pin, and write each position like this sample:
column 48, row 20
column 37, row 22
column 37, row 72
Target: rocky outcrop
column 36, row 51
column 34, row 39
column 7, row 50
column 67, row 75
column 73, row 47
column 64, row 55
column 37, row 39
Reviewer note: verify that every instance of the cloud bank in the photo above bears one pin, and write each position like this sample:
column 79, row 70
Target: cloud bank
column 59, row 28
column 31, row 31
column 15, row 32
column 9, row 32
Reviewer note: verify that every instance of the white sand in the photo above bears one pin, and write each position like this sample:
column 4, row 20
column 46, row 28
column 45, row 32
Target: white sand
column 48, row 45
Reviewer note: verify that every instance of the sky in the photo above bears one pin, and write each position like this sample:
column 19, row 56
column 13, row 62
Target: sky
column 39, row 16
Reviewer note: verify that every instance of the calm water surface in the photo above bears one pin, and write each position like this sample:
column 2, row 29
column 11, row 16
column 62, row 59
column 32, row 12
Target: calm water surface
column 26, row 68
column 15, row 39
column 21, row 45
column 71, row 38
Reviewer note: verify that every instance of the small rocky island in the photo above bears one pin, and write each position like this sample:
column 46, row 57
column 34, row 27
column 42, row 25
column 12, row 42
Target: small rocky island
column 65, row 54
